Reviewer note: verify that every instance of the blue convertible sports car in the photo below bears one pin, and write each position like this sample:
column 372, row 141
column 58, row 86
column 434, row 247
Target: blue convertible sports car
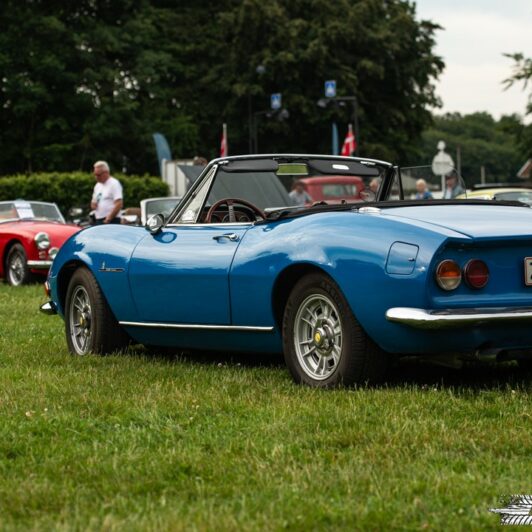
column 244, row 264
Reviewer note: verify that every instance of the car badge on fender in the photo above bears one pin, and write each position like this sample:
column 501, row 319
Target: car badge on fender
column 112, row 270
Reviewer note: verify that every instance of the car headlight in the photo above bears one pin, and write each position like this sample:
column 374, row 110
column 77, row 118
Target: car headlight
column 42, row 240
column 53, row 252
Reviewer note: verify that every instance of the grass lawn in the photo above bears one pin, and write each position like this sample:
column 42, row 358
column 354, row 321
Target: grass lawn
column 141, row 441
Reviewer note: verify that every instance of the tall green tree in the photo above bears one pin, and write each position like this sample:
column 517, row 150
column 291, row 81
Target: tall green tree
column 87, row 80
column 377, row 51
column 95, row 78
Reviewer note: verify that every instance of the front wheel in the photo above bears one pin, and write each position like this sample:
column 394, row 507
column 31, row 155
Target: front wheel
column 90, row 325
column 17, row 271
column 324, row 345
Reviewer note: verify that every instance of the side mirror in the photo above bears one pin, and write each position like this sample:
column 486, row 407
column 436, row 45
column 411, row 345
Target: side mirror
column 155, row 224
column 75, row 212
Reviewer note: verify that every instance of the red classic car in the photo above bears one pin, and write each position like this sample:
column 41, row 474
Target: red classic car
column 31, row 233
column 335, row 188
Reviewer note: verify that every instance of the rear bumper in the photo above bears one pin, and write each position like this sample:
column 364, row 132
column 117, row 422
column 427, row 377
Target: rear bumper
column 39, row 264
column 48, row 308
column 454, row 318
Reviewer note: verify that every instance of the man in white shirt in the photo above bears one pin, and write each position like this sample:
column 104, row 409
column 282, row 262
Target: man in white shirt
column 107, row 196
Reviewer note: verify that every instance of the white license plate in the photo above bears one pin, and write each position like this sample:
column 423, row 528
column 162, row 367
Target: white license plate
column 528, row 271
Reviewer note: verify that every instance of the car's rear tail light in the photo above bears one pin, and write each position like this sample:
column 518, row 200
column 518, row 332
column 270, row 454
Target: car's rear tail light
column 448, row 274
column 476, row 273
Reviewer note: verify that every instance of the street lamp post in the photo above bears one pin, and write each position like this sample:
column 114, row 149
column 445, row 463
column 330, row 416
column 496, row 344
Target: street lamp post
column 260, row 70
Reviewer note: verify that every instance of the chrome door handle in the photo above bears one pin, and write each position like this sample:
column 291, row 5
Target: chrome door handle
column 230, row 236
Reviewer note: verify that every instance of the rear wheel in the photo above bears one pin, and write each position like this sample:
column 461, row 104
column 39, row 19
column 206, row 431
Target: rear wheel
column 17, row 271
column 90, row 325
column 323, row 342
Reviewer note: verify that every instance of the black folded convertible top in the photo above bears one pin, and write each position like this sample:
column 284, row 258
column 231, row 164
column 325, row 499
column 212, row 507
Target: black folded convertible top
column 296, row 212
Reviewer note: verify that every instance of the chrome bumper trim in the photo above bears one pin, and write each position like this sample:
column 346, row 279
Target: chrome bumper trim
column 195, row 326
column 48, row 308
column 451, row 318
column 39, row 264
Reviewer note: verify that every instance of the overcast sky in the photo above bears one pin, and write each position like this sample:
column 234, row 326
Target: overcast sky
column 475, row 35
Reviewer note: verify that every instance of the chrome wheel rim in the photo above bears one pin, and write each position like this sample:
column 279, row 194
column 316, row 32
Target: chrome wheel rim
column 318, row 336
column 80, row 317
column 16, row 269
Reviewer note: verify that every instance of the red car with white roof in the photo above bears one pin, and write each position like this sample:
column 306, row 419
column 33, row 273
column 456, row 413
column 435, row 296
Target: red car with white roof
column 31, row 233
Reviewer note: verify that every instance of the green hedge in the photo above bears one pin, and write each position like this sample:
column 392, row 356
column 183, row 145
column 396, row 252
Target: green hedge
column 74, row 189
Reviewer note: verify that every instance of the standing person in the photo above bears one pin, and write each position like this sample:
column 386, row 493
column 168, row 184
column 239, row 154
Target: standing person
column 452, row 187
column 299, row 195
column 423, row 192
column 107, row 195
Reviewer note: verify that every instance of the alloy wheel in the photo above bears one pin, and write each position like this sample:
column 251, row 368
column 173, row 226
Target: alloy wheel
column 80, row 317
column 318, row 336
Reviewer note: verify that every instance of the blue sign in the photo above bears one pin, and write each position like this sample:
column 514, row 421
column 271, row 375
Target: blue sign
column 275, row 101
column 330, row 88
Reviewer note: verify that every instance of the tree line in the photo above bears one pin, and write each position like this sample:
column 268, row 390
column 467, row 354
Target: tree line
column 93, row 79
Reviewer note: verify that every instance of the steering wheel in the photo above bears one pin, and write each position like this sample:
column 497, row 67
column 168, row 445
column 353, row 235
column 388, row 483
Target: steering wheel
column 230, row 207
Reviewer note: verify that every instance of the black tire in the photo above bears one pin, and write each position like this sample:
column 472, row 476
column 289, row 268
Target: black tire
column 90, row 326
column 358, row 359
column 16, row 266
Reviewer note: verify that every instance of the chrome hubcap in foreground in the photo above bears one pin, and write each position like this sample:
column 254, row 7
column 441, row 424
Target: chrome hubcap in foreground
column 80, row 320
column 16, row 269
column 318, row 336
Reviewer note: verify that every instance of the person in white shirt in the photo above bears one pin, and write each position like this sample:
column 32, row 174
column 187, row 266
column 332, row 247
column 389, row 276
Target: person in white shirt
column 107, row 195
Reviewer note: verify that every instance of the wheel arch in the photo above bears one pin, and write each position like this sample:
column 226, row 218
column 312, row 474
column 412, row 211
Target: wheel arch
column 284, row 283
column 64, row 276
column 7, row 248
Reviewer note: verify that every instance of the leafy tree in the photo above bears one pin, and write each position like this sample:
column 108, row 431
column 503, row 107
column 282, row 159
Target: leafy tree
column 482, row 141
column 523, row 73
column 94, row 79
column 375, row 50
column 85, row 81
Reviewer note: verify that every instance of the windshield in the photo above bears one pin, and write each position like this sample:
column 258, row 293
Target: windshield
column 282, row 182
column 524, row 196
column 280, row 185
column 29, row 210
column 162, row 206
column 298, row 184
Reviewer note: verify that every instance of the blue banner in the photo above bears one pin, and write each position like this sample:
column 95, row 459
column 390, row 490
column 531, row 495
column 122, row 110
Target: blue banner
column 163, row 150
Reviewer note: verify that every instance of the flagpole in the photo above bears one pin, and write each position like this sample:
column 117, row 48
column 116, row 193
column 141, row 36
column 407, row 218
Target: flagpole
column 223, row 143
column 225, row 137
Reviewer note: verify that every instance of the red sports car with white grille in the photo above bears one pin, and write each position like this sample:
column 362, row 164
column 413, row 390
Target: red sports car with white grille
column 31, row 233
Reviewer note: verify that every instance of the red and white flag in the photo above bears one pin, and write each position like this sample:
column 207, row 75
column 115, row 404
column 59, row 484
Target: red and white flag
column 350, row 143
column 223, row 144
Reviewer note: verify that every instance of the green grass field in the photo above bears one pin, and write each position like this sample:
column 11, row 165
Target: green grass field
column 215, row 442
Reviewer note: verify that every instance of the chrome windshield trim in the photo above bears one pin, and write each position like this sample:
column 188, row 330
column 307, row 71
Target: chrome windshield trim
column 214, row 224
column 39, row 264
column 452, row 318
column 154, row 325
